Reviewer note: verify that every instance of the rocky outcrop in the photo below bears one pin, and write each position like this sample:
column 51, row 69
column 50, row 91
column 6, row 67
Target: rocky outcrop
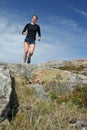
column 47, row 81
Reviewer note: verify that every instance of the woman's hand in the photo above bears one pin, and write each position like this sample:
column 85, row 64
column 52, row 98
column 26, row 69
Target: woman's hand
column 39, row 38
column 25, row 33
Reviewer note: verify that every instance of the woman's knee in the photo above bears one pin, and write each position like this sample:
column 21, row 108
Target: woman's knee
column 31, row 53
column 25, row 52
column 31, row 50
column 26, row 47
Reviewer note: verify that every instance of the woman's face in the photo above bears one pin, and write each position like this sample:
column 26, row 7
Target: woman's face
column 34, row 19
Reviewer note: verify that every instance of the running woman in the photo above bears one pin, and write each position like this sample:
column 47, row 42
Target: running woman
column 30, row 30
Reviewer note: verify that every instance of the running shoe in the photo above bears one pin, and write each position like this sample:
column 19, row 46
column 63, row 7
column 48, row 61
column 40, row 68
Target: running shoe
column 29, row 60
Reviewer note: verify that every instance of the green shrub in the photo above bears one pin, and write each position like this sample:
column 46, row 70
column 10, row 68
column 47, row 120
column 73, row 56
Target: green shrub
column 53, row 95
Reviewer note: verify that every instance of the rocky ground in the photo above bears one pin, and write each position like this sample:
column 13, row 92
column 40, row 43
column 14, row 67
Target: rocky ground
column 48, row 96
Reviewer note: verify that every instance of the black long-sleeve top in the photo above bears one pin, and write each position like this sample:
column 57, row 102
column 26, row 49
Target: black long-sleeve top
column 32, row 30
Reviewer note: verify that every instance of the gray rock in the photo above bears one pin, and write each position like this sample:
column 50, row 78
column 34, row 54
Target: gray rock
column 5, row 90
column 75, row 79
column 40, row 92
column 81, row 125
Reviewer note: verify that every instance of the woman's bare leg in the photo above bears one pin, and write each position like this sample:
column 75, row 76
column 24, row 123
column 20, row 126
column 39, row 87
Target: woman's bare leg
column 26, row 48
column 31, row 51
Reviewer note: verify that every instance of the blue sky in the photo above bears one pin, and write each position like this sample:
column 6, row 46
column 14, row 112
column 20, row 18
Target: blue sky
column 63, row 27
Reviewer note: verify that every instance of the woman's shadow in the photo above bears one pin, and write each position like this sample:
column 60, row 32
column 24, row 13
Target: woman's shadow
column 13, row 105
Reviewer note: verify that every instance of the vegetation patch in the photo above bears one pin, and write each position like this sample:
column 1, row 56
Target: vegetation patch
column 44, row 75
column 80, row 96
column 72, row 68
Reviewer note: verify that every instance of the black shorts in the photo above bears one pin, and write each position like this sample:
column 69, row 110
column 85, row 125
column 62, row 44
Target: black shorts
column 30, row 41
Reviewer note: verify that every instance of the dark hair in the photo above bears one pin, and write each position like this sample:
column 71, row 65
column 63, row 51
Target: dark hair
column 35, row 16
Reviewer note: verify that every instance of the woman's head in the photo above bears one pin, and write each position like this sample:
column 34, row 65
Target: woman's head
column 34, row 18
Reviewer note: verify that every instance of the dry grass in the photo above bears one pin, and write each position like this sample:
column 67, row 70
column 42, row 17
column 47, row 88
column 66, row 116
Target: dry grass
column 46, row 116
column 44, row 75
column 35, row 114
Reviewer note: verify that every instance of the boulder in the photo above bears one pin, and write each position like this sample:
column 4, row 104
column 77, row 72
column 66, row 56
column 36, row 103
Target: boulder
column 5, row 91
